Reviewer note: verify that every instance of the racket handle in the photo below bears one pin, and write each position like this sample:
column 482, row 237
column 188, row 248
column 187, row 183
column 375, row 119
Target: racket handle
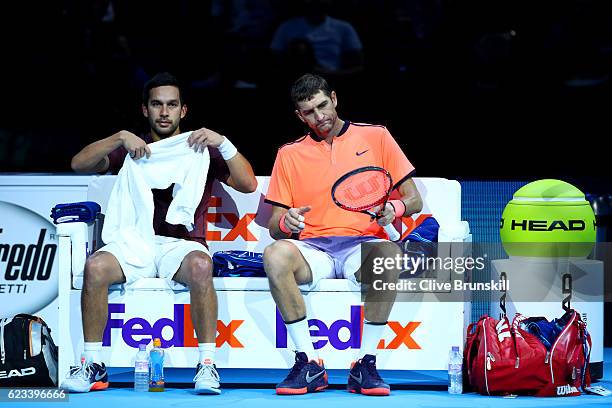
column 392, row 232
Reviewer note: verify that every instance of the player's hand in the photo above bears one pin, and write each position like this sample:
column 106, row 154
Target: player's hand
column 136, row 147
column 384, row 216
column 201, row 138
column 294, row 219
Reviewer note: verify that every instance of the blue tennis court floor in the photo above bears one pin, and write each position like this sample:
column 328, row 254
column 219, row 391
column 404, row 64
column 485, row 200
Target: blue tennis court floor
column 254, row 388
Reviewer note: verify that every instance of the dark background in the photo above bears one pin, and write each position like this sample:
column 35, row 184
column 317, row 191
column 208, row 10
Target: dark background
column 471, row 89
column 481, row 89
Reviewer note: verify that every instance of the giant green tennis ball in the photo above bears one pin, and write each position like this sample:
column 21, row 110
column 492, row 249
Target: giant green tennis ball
column 548, row 218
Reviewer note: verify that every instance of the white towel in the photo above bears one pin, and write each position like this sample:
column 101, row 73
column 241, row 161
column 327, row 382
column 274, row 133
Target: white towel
column 129, row 215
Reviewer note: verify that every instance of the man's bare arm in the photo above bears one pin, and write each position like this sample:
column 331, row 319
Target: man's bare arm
column 94, row 157
column 242, row 177
column 410, row 198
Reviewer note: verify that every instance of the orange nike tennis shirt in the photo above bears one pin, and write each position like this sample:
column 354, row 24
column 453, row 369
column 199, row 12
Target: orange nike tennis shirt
column 305, row 171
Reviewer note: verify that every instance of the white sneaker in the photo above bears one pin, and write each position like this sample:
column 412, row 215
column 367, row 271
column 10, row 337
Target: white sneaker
column 206, row 379
column 86, row 377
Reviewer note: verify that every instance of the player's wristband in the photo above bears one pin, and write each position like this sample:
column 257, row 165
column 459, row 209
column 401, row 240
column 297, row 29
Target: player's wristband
column 399, row 207
column 227, row 149
column 282, row 225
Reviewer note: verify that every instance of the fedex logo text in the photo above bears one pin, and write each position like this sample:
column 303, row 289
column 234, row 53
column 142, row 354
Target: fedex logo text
column 239, row 226
column 137, row 330
column 331, row 334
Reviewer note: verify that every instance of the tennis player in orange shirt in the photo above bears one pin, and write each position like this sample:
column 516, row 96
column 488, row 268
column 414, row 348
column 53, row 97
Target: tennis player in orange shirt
column 330, row 238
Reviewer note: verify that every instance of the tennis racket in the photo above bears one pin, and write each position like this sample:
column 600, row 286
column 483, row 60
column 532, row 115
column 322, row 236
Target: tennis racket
column 362, row 189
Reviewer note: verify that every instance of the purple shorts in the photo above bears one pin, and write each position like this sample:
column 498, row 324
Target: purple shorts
column 332, row 257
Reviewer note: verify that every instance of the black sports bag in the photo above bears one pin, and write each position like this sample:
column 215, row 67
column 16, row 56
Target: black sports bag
column 28, row 355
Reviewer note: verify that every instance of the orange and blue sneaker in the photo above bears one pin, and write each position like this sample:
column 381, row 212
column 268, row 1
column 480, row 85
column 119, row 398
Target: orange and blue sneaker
column 305, row 376
column 364, row 378
column 86, row 377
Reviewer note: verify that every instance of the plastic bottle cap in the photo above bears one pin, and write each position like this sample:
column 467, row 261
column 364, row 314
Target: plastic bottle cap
column 156, row 342
column 142, row 347
column 455, row 348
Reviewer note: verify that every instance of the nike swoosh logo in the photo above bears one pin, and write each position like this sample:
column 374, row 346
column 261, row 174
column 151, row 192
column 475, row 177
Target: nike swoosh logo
column 101, row 375
column 360, row 153
column 310, row 379
column 358, row 379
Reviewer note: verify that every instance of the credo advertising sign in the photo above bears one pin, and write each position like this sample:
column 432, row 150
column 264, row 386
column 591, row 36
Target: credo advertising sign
column 28, row 253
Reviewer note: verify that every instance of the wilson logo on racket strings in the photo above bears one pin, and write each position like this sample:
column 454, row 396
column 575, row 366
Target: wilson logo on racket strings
column 366, row 187
column 137, row 330
column 362, row 189
column 330, row 334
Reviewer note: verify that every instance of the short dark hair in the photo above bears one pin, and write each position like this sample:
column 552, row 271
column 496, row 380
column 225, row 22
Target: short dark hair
column 161, row 79
column 308, row 85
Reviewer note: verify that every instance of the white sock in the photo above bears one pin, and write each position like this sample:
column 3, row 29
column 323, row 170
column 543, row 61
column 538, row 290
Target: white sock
column 372, row 333
column 91, row 351
column 207, row 352
column 300, row 334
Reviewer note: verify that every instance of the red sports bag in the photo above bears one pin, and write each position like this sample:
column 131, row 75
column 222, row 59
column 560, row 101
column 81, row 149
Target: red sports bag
column 501, row 359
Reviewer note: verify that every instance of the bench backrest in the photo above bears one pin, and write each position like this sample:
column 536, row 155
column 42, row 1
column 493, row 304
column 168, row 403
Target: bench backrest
column 239, row 221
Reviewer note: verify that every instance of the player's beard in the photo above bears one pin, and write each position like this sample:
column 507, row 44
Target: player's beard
column 164, row 132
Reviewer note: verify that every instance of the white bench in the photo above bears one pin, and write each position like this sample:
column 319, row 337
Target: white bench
column 250, row 333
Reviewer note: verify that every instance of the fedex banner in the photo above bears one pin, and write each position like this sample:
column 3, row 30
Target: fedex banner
column 332, row 334
column 252, row 334
column 136, row 331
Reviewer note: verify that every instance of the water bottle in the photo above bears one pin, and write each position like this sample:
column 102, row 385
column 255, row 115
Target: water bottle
column 455, row 375
column 156, row 358
column 141, row 369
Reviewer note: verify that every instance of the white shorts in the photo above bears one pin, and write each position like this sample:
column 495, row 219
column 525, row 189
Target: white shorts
column 169, row 254
column 332, row 257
